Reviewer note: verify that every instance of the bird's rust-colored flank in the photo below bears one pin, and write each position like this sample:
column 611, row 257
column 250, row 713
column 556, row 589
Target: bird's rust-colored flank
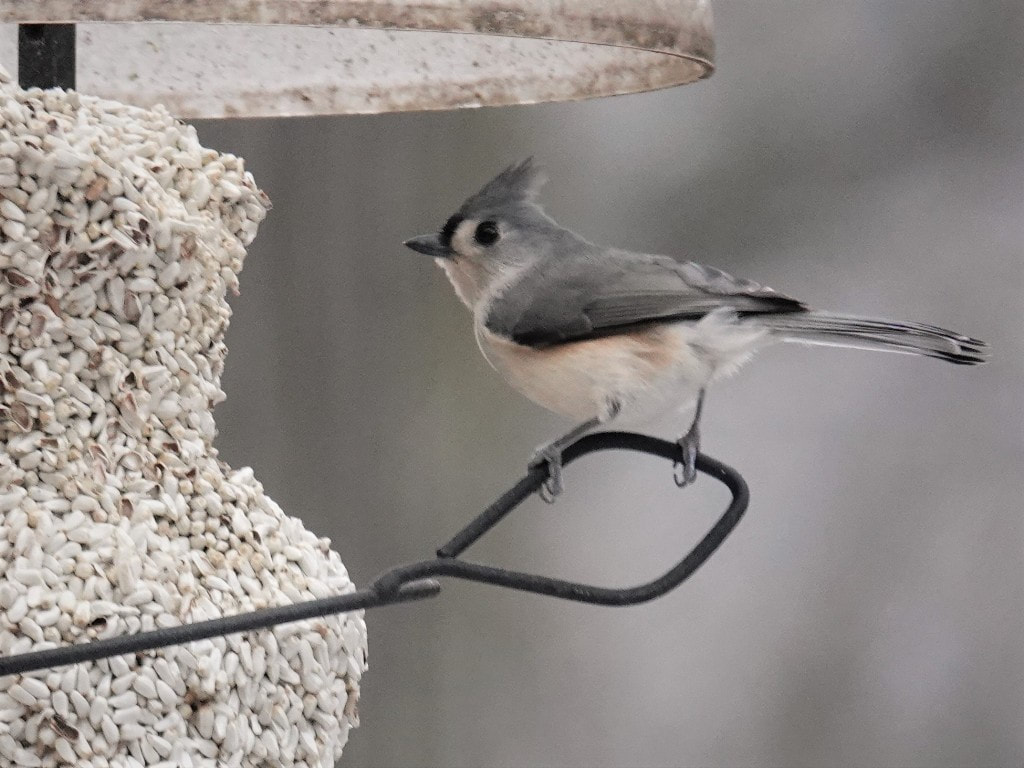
column 572, row 379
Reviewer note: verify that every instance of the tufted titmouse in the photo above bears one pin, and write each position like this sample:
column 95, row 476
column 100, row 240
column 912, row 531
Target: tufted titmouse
column 598, row 333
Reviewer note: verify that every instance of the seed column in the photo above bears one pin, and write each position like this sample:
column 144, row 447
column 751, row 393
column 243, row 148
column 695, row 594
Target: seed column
column 119, row 238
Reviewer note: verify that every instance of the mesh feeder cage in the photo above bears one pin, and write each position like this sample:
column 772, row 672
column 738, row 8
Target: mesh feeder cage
column 120, row 236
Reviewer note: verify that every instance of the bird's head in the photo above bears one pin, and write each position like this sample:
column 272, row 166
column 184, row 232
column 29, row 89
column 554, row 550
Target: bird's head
column 496, row 231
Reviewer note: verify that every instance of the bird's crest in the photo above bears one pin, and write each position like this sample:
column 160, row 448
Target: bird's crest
column 518, row 183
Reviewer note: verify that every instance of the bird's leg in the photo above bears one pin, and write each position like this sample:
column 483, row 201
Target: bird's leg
column 551, row 453
column 689, row 446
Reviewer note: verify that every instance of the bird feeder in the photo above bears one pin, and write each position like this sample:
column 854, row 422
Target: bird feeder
column 121, row 236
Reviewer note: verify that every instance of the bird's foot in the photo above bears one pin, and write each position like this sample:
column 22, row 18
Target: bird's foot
column 685, row 467
column 551, row 456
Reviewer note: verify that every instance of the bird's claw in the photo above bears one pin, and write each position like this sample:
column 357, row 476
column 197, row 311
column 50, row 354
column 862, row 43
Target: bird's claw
column 552, row 458
column 684, row 469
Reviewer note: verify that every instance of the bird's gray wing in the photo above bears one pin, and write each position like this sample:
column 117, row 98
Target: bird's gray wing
column 588, row 296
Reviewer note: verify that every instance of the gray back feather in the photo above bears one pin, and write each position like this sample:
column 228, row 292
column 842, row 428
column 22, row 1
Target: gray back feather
column 593, row 292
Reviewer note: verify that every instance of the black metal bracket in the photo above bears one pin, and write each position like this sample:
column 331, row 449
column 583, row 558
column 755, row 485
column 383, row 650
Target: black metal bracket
column 413, row 581
column 447, row 562
column 46, row 56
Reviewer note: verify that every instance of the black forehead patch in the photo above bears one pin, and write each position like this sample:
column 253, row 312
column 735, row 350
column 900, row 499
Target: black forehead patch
column 448, row 230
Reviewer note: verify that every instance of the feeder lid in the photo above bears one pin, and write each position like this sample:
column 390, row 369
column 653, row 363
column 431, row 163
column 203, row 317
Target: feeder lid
column 248, row 58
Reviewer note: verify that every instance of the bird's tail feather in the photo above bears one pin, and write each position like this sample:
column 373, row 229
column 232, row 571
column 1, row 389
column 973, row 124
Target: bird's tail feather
column 868, row 333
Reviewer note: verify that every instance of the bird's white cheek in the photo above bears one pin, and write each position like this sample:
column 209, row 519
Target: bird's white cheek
column 463, row 242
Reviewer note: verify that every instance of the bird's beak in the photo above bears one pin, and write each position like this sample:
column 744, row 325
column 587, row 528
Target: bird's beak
column 430, row 245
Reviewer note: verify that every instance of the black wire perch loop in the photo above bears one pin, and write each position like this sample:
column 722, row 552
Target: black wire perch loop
column 448, row 564
column 46, row 56
column 405, row 583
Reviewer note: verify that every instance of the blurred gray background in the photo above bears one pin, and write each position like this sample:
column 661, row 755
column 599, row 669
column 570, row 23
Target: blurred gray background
column 864, row 156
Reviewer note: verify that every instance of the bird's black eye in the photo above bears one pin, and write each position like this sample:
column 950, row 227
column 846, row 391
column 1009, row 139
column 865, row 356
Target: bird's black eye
column 486, row 233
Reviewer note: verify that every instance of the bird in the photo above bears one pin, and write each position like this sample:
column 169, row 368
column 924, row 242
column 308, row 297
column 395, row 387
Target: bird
column 601, row 335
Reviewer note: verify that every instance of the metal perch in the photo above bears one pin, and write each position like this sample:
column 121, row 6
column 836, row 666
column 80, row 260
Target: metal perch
column 405, row 583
